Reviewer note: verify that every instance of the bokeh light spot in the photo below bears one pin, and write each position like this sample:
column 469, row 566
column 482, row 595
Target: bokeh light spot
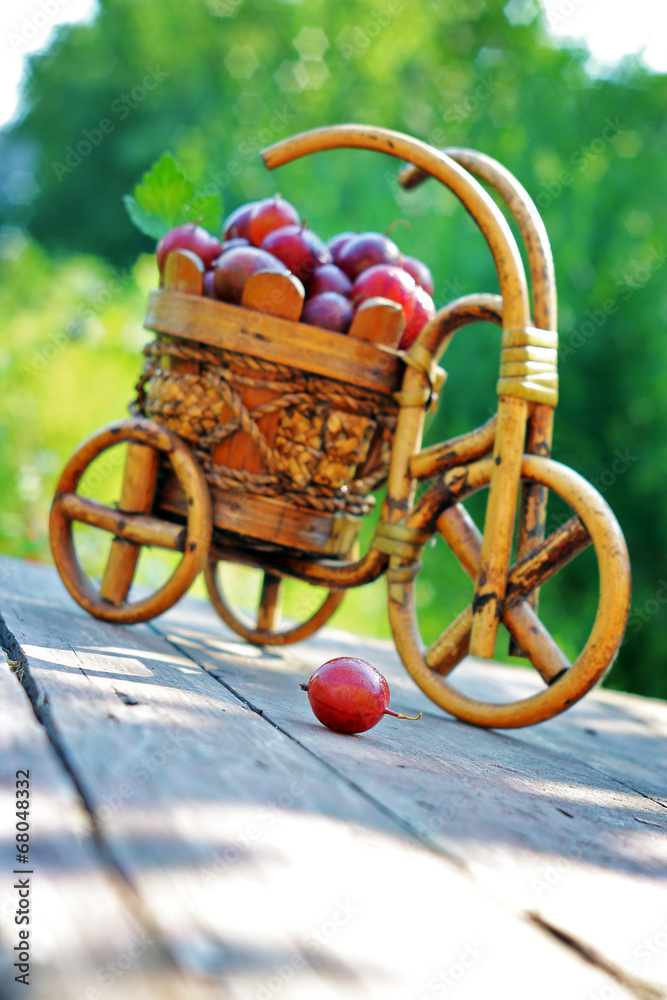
column 241, row 62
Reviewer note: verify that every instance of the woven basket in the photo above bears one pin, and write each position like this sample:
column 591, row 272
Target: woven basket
column 291, row 452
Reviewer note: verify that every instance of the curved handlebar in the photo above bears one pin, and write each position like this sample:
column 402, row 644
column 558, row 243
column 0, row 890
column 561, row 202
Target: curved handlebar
column 511, row 274
column 524, row 211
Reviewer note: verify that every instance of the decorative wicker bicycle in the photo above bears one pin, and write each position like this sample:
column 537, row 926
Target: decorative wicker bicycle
column 258, row 440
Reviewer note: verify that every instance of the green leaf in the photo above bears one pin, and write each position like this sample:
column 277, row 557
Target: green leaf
column 143, row 220
column 166, row 198
column 206, row 209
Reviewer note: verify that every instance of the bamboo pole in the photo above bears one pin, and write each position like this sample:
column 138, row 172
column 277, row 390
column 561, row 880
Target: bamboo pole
column 498, row 525
column 139, row 480
column 137, row 530
column 564, row 688
column 193, row 540
column 270, row 602
column 532, row 506
column 266, row 636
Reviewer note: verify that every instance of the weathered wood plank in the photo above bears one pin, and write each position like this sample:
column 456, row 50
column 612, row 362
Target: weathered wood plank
column 576, row 838
column 265, row 869
column 85, row 930
column 274, row 339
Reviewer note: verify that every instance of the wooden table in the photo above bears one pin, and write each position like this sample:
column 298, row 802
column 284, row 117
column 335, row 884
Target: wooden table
column 195, row 833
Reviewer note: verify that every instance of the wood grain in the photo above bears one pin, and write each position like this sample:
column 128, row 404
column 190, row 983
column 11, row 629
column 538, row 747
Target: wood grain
column 236, row 329
column 264, row 866
column 274, row 294
column 87, row 931
column 379, row 321
column 566, row 820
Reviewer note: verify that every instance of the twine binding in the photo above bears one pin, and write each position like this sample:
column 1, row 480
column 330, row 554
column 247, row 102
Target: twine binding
column 333, row 441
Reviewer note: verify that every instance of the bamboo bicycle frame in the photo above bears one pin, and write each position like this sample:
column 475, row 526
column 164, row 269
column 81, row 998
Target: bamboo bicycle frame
column 510, row 448
column 513, row 412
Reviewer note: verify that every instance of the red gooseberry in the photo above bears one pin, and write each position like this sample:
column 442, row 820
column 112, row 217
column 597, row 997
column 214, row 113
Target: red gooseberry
column 349, row 695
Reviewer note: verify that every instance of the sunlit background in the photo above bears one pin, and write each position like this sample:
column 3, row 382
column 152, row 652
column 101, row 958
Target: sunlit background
column 570, row 95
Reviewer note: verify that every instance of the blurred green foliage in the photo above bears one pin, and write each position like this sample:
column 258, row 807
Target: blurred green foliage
column 215, row 81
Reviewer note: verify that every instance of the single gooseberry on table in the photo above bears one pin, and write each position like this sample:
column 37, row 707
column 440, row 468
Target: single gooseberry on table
column 349, row 695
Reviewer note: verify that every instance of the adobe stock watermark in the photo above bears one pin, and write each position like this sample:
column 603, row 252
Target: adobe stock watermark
column 580, row 160
column 109, row 973
column 643, row 955
column 42, row 356
column 217, row 180
column 449, row 290
column 121, row 108
column 635, row 276
column 422, row 204
column 106, row 292
column 648, row 950
column 243, row 841
column 559, row 15
column 31, row 26
column 466, row 104
column 316, row 939
column 447, row 979
column 559, row 867
column 224, row 8
column 642, row 614
column 354, row 42
column 622, row 462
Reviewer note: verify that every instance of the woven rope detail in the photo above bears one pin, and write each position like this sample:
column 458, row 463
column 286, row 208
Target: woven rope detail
column 528, row 365
column 325, row 427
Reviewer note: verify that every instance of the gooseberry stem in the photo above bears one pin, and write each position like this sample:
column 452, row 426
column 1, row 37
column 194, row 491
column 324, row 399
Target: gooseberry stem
column 397, row 222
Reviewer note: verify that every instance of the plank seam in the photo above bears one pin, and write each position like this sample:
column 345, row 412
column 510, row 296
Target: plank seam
column 408, row 828
column 563, row 755
column 640, row 988
column 39, row 702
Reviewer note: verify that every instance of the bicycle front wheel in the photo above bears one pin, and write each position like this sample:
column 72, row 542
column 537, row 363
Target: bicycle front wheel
column 562, row 680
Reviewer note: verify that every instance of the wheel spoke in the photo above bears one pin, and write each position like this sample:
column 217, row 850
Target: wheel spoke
column 464, row 538
column 270, row 602
column 138, row 528
column 134, row 523
column 451, row 645
column 536, row 641
column 526, row 628
column 547, row 559
column 119, row 570
column 565, row 683
column 139, row 479
column 267, row 630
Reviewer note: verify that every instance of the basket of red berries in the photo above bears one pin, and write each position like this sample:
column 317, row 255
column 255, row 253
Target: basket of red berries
column 277, row 356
